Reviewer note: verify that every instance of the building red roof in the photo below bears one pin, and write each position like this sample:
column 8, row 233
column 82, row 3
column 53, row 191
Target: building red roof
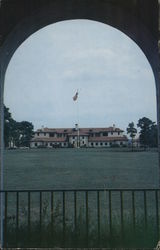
column 83, row 130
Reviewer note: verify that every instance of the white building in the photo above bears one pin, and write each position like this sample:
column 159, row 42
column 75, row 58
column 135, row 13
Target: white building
column 82, row 137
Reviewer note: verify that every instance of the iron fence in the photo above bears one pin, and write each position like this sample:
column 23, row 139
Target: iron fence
column 81, row 218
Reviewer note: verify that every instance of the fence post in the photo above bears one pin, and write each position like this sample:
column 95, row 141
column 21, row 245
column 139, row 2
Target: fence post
column 133, row 211
column 75, row 215
column 5, row 219
column 52, row 217
column 87, row 224
column 40, row 217
column 64, row 219
column 29, row 211
column 98, row 215
column 145, row 210
column 110, row 212
column 157, row 213
column 17, row 218
column 122, row 219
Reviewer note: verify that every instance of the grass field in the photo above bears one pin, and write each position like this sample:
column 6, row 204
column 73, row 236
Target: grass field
column 79, row 168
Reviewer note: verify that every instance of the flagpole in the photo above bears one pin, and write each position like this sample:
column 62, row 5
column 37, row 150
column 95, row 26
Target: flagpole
column 75, row 98
column 78, row 137
column 78, row 141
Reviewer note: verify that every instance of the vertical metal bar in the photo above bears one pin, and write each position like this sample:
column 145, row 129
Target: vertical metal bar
column 133, row 210
column 98, row 215
column 1, row 210
column 5, row 222
column 110, row 211
column 17, row 217
column 122, row 219
column 145, row 209
column 29, row 216
column 40, row 217
column 157, row 213
column 75, row 211
column 87, row 223
column 52, row 218
column 64, row 220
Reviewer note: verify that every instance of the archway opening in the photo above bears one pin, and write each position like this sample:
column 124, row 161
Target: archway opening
column 113, row 77
column 115, row 85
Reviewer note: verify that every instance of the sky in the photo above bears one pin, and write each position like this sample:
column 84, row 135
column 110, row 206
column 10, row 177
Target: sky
column 112, row 75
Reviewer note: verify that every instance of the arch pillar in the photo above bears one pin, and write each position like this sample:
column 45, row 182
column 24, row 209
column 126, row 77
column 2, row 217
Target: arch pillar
column 112, row 12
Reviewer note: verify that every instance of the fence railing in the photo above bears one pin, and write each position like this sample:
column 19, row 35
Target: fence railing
column 81, row 218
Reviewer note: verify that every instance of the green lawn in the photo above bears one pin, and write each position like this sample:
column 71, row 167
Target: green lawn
column 79, row 168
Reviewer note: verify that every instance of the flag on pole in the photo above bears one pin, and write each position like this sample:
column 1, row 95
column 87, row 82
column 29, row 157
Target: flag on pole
column 75, row 96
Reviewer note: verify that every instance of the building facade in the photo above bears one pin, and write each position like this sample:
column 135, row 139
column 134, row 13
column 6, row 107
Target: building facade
column 78, row 137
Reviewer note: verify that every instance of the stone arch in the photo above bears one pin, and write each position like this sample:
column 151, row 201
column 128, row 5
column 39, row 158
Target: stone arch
column 107, row 12
column 118, row 13
column 113, row 13
column 102, row 11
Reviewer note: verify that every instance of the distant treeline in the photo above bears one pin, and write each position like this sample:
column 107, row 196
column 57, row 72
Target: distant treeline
column 148, row 135
column 19, row 134
column 16, row 134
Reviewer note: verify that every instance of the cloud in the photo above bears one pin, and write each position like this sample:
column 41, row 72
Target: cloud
column 114, row 78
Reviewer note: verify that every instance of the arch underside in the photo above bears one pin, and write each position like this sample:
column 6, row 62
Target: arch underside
column 138, row 19
column 111, row 12
column 105, row 11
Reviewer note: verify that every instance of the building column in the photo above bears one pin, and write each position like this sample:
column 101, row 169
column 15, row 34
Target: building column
column 158, row 93
column 1, row 152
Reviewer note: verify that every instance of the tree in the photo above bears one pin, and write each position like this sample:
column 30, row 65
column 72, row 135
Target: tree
column 9, row 124
column 153, row 136
column 132, row 131
column 16, row 133
column 25, row 133
column 148, row 132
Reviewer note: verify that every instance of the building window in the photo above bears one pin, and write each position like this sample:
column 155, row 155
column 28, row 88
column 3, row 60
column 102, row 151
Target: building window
column 110, row 143
column 96, row 143
column 64, row 144
column 118, row 133
column 111, row 133
column 73, row 137
column 37, row 134
column 121, row 143
column 44, row 134
column 101, row 144
column 51, row 134
column 35, row 144
column 105, row 134
column 91, row 143
column 106, row 143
